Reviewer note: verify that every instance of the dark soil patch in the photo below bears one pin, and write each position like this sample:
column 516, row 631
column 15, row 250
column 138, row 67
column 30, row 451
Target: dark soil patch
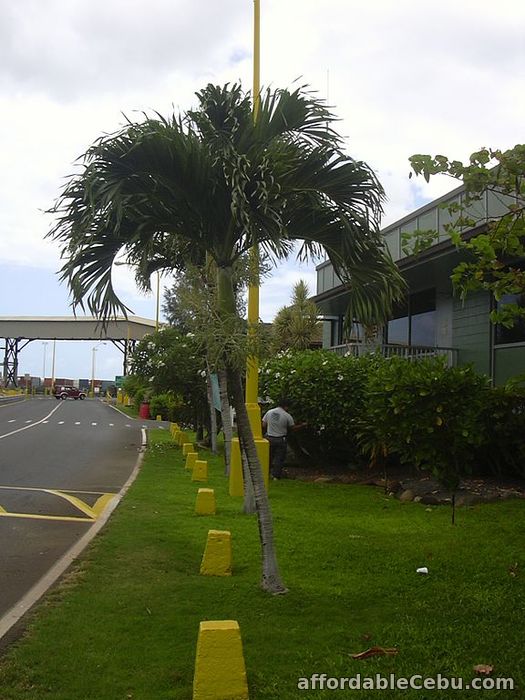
column 410, row 484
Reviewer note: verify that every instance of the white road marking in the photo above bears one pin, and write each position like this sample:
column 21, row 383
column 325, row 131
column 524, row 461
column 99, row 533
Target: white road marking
column 77, row 422
column 33, row 425
column 60, row 422
column 29, row 421
column 93, row 423
column 13, row 420
column 12, row 616
column 45, row 422
column 128, row 425
column 111, row 425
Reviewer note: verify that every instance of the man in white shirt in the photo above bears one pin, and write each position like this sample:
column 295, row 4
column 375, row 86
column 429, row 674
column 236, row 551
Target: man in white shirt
column 276, row 424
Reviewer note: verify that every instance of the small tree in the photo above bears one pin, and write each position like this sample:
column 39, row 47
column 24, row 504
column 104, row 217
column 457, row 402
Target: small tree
column 296, row 327
column 191, row 304
column 497, row 247
column 167, row 191
column 167, row 361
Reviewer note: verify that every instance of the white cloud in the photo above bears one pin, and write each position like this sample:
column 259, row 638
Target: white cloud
column 404, row 77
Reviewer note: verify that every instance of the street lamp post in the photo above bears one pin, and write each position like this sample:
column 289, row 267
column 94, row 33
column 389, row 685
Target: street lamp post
column 93, row 351
column 53, row 365
column 44, row 362
column 158, row 303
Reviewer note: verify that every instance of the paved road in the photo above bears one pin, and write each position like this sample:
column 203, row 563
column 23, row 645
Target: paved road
column 60, row 461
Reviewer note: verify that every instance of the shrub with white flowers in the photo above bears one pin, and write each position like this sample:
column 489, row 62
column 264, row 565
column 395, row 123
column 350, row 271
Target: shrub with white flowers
column 170, row 365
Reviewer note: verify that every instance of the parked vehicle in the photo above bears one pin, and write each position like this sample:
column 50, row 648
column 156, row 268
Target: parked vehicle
column 68, row 392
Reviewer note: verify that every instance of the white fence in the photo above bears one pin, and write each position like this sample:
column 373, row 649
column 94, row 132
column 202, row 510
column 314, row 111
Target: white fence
column 412, row 352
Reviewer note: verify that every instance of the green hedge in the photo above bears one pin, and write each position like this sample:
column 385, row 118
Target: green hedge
column 503, row 450
column 327, row 392
column 417, row 412
column 426, row 414
column 166, row 405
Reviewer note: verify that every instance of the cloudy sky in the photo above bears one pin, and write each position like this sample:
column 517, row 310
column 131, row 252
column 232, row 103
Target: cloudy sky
column 405, row 77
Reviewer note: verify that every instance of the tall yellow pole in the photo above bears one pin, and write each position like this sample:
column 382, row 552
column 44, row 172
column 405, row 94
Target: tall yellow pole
column 256, row 57
column 158, row 302
column 252, row 366
column 252, row 369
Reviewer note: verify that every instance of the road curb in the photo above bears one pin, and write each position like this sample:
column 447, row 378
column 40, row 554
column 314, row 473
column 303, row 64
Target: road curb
column 9, row 400
column 23, row 606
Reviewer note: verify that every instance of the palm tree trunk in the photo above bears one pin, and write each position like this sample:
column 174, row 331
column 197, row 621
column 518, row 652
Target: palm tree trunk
column 213, row 415
column 249, row 507
column 227, row 428
column 271, row 579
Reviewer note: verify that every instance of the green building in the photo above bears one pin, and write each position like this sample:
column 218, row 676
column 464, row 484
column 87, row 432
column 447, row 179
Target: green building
column 432, row 320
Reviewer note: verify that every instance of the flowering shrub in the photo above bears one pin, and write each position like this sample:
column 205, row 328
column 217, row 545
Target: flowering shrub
column 326, row 391
column 419, row 412
column 169, row 363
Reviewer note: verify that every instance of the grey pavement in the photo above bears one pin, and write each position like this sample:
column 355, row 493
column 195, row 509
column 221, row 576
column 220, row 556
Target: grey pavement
column 58, row 460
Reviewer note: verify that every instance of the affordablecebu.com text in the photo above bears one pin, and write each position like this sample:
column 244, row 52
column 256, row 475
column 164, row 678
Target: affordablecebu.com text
column 322, row 681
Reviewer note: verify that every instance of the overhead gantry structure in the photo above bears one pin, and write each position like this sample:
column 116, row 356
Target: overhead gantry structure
column 17, row 332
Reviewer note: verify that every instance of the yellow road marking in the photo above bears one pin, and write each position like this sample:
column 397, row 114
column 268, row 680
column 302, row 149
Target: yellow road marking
column 71, row 519
column 102, row 502
column 92, row 513
column 75, row 502
column 40, row 488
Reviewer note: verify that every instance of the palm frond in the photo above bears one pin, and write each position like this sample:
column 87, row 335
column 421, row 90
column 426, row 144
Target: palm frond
column 160, row 193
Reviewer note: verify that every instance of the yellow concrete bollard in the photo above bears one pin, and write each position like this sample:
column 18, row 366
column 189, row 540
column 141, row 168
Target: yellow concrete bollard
column 236, row 481
column 205, row 503
column 187, row 447
column 217, row 558
column 176, row 436
column 181, row 438
column 159, row 417
column 191, row 458
column 200, row 470
column 220, row 671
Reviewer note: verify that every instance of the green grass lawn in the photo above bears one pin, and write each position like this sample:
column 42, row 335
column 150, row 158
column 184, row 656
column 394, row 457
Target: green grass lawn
column 130, row 411
column 124, row 622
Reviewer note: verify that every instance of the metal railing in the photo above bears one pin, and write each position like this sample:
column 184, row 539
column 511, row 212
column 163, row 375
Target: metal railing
column 411, row 352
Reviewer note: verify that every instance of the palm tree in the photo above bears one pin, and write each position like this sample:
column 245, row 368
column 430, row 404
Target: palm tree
column 297, row 326
column 166, row 191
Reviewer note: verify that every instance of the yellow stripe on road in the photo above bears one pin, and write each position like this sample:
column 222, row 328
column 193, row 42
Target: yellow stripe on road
column 92, row 513
column 75, row 502
column 102, row 502
column 71, row 519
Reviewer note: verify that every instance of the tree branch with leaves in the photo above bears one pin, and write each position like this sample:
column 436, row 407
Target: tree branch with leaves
column 495, row 243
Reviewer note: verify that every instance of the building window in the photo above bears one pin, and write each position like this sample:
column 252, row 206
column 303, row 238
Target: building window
column 516, row 334
column 398, row 327
column 423, row 318
column 414, row 322
column 334, row 332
